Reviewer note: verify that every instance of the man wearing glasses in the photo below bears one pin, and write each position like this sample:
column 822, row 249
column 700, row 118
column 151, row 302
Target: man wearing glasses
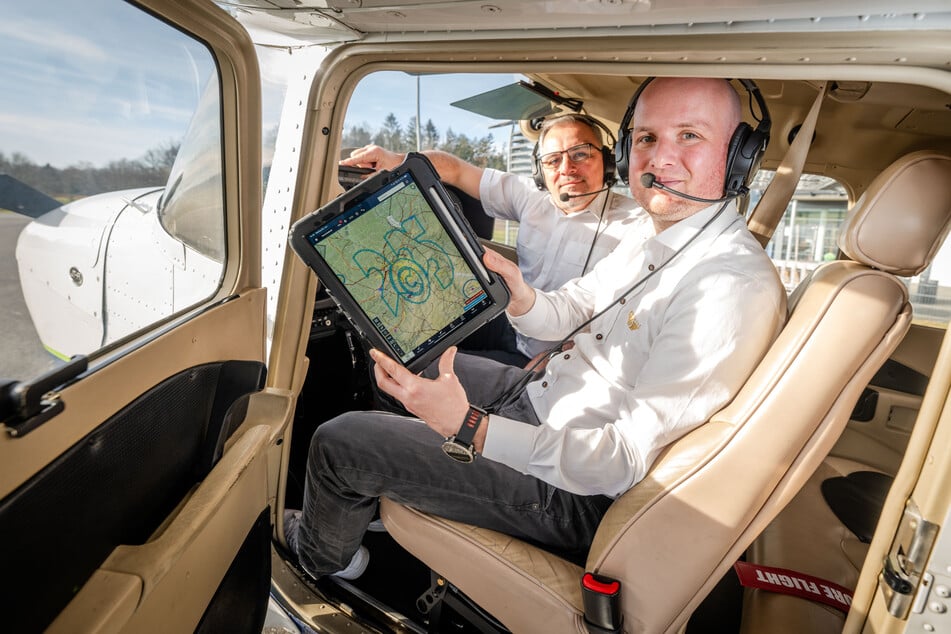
column 568, row 217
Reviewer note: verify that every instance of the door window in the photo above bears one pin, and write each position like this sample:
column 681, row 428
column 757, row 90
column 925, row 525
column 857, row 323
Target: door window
column 111, row 203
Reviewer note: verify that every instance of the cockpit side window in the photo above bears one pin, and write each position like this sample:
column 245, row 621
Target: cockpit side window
column 111, row 193
column 807, row 234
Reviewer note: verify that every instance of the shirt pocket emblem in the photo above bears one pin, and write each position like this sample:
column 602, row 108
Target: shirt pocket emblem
column 632, row 322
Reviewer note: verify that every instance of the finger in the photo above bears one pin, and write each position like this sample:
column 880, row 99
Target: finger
column 386, row 383
column 397, row 372
column 361, row 161
column 389, row 365
column 497, row 262
column 362, row 157
column 446, row 362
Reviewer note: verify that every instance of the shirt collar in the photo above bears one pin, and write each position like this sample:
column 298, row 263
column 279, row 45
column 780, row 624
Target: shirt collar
column 679, row 234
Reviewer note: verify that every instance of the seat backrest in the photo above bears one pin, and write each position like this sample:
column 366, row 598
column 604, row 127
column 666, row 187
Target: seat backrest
column 673, row 536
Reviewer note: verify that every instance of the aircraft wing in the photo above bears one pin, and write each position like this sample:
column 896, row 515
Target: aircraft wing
column 17, row 196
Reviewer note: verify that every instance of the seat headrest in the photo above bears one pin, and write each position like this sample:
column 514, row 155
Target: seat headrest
column 899, row 223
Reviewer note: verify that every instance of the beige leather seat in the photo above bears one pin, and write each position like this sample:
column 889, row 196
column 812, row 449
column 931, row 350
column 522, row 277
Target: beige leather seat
column 672, row 536
column 808, row 536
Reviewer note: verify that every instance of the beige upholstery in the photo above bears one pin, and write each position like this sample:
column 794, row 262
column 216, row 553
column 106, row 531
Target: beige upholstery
column 915, row 193
column 807, row 536
column 672, row 536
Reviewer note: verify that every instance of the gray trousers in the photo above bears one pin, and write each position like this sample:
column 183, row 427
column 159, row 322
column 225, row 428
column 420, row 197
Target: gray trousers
column 358, row 457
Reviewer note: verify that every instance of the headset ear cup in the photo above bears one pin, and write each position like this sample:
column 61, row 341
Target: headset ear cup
column 753, row 151
column 537, row 174
column 610, row 173
column 622, row 152
column 737, row 166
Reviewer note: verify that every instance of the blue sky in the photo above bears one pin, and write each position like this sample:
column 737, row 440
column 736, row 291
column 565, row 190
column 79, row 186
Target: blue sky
column 381, row 93
column 72, row 96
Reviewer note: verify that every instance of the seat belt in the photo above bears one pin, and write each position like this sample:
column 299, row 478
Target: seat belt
column 771, row 207
column 602, row 604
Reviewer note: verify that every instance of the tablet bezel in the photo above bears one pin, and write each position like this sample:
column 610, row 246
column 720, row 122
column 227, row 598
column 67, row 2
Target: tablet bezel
column 452, row 220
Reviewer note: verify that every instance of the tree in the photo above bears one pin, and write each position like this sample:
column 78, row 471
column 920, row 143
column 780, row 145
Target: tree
column 409, row 136
column 430, row 135
column 84, row 179
column 357, row 136
column 162, row 158
column 392, row 134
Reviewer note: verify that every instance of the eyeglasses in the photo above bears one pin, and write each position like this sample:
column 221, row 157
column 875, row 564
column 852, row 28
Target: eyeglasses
column 577, row 155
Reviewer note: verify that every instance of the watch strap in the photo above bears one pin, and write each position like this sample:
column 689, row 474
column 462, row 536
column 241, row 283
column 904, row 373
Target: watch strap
column 470, row 424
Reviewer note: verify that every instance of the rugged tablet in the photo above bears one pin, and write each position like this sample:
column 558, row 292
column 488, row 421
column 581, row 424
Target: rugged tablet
column 402, row 262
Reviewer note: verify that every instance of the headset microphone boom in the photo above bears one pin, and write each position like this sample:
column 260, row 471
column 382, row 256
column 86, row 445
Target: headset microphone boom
column 564, row 197
column 648, row 180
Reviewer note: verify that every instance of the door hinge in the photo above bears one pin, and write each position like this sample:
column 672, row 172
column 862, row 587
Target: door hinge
column 904, row 567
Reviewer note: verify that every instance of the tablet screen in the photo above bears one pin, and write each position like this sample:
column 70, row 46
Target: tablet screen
column 395, row 259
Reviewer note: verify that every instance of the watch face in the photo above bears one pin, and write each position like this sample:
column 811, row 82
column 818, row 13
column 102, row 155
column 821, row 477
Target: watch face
column 458, row 452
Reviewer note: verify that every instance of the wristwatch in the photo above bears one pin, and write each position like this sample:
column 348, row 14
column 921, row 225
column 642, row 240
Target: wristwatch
column 460, row 447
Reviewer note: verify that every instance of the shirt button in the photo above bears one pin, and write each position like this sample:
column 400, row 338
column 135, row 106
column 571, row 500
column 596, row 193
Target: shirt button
column 623, row 300
column 650, row 267
column 599, row 336
column 567, row 356
column 544, row 383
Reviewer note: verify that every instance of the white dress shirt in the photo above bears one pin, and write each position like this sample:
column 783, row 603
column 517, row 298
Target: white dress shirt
column 552, row 246
column 660, row 362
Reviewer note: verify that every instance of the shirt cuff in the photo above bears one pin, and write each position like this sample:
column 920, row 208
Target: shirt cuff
column 533, row 323
column 509, row 442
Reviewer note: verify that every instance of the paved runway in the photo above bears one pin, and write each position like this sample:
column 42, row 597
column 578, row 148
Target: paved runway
column 22, row 355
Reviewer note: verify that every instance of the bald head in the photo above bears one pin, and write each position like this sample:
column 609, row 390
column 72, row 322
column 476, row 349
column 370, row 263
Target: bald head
column 722, row 102
column 681, row 133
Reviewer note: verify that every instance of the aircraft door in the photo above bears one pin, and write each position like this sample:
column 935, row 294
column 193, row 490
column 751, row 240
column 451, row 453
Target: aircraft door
column 134, row 479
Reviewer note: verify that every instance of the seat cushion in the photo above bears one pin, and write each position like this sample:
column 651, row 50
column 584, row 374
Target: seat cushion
column 529, row 589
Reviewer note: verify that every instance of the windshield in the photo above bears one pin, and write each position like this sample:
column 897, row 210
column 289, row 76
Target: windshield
column 192, row 207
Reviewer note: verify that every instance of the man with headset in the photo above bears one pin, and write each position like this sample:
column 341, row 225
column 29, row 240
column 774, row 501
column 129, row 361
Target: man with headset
column 568, row 217
column 666, row 329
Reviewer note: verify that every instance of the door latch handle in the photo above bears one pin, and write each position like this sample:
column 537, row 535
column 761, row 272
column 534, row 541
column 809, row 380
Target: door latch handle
column 25, row 405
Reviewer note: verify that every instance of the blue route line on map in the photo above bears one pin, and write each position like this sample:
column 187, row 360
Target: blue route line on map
column 402, row 275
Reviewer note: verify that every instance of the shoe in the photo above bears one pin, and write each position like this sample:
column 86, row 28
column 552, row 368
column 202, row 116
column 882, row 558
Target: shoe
column 376, row 526
column 291, row 530
column 358, row 563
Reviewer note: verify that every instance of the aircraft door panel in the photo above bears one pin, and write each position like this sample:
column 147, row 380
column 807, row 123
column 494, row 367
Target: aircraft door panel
column 143, row 501
column 884, row 416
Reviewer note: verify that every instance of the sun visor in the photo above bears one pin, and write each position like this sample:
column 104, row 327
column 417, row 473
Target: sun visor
column 509, row 103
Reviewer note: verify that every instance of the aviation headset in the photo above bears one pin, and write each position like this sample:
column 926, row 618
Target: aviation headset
column 607, row 153
column 744, row 154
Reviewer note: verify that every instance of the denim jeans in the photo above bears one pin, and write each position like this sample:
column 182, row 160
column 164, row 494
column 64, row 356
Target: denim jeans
column 495, row 340
column 358, row 457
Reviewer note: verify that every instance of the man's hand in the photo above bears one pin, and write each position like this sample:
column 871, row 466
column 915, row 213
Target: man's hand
column 441, row 403
column 375, row 157
column 522, row 296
